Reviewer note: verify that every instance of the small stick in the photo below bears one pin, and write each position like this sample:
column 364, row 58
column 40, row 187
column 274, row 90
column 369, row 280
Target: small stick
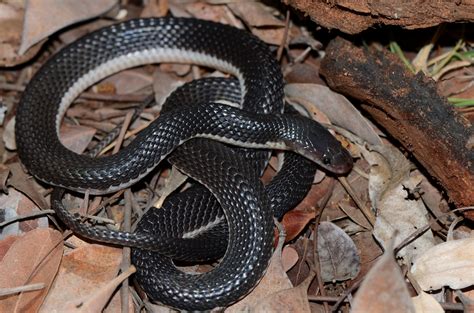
column 126, row 124
column 24, row 217
column 127, row 224
column 11, row 291
column 364, row 209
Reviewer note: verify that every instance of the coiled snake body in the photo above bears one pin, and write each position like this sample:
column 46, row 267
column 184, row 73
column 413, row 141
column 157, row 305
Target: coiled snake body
column 234, row 182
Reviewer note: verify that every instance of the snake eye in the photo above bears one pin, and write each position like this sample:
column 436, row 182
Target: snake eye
column 326, row 160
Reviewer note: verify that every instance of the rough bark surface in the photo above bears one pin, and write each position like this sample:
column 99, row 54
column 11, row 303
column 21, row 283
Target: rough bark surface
column 355, row 16
column 410, row 109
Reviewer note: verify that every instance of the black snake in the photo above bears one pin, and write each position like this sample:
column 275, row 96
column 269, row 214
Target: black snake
column 229, row 178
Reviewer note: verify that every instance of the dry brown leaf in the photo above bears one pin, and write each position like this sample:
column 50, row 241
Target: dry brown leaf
column 383, row 289
column 8, row 210
column 4, row 173
column 369, row 251
column 289, row 258
column 338, row 109
column 338, row 256
column 72, row 34
column 155, row 8
column 163, row 84
column 97, row 300
column 100, row 115
column 11, row 23
column 8, row 135
column 204, row 11
column 447, row 264
column 16, row 204
column 5, row 245
column 289, row 300
column 272, row 36
column 33, row 258
column 392, row 191
column 295, row 221
column 129, row 81
column 455, row 83
column 425, row 303
column 45, row 17
column 274, row 280
column 255, row 14
column 76, row 137
column 82, row 272
column 20, row 181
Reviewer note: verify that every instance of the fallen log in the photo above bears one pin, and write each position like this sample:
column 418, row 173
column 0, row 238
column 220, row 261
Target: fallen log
column 409, row 108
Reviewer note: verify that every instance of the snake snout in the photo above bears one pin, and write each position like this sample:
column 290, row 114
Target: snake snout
column 317, row 144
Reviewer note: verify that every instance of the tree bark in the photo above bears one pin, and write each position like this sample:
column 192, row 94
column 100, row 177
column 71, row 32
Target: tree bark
column 352, row 17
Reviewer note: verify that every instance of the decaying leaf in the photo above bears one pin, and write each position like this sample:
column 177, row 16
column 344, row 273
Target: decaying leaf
column 8, row 135
column 295, row 221
column 76, row 137
column 33, row 258
column 425, row 303
column 289, row 258
column 5, row 245
column 337, row 108
column 82, row 272
column 255, row 14
column 163, row 85
column 11, row 23
column 288, row 300
column 384, row 289
column 393, row 192
column 204, row 11
column 45, row 17
column 4, row 173
column 338, row 256
column 274, row 280
column 447, row 264
column 129, row 81
column 96, row 301
column 13, row 205
column 21, row 182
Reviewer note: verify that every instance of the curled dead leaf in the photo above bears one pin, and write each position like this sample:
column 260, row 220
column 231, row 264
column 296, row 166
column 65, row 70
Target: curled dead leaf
column 274, row 280
column 383, row 289
column 33, row 258
column 447, row 264
column 45, row 17
column 338, row 256
column 83, row 271
column 392, row 190
column 425, row 303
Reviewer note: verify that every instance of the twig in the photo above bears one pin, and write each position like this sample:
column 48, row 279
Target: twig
column 285, row 36
column 323, row 298
column 104, row 220
column 127, row 224
column 125, row 125
column 127, row 135
column 11, row 291
column 364, row 209
column 24, row 217
column 316, row 264
column 347, row 292
column 410, row 238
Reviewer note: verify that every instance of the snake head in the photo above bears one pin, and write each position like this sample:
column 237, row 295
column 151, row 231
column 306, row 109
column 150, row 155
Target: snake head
column 313, row 141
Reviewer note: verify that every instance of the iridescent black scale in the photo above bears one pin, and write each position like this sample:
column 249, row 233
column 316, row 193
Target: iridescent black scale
column 229, row 177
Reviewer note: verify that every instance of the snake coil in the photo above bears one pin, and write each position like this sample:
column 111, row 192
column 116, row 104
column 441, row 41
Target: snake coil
column 232, row 181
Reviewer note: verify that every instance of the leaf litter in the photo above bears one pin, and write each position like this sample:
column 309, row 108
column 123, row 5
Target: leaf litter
column 327, row 236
